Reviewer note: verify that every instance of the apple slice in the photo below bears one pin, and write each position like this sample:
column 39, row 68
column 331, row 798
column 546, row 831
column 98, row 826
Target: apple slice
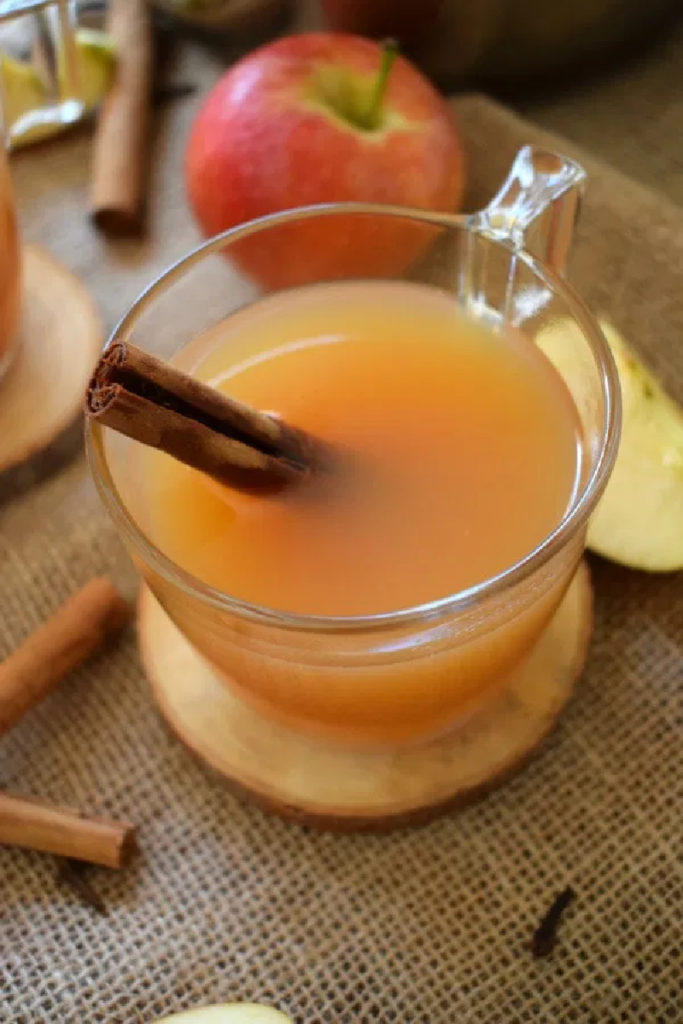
column 23, row 89
column 639, row 519
column 228, row 1013
column 95, row 63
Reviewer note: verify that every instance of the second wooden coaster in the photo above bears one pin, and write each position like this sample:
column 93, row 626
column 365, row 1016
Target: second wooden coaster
column 342, row 789
column 60, row 336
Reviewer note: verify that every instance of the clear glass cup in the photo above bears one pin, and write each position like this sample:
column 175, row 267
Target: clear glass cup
column 38, row 94
column 10, row 268
column 410, row 674
column 39, row 78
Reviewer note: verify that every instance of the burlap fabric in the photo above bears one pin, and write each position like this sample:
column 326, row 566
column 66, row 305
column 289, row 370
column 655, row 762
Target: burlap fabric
column 428, row 926
column 630, row 117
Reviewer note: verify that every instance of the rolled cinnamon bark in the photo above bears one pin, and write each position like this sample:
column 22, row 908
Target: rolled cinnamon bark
column 35, row 825
column 73, row 633
column 160, row 406
column 119, row 168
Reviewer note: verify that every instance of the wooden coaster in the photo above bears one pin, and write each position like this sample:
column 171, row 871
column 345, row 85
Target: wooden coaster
column 302, row 779
column 60, row 336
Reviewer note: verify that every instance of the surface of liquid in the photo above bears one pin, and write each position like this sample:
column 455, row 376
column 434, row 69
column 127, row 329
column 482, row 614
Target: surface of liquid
column 464, row 441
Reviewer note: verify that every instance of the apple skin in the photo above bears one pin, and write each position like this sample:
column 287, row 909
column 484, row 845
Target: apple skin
column 267, row 138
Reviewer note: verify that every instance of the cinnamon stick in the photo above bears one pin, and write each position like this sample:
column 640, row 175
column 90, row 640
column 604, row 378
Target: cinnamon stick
column 74, row 632
column 119, row 158
column 160, row 406
column 35, row 825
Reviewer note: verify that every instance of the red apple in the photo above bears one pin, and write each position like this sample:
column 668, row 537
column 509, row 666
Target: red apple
column 314, row 118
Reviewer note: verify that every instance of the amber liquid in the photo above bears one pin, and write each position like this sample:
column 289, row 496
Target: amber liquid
column 464, row 454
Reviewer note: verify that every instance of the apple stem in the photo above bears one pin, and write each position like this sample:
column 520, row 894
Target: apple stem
column 389, row 54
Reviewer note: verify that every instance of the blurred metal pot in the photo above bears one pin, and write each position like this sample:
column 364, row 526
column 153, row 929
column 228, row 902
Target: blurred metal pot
column 501, row 40
column 223, row 15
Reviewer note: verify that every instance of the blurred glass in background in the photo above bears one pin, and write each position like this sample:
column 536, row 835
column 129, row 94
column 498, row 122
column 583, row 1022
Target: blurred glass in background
column 39, row 81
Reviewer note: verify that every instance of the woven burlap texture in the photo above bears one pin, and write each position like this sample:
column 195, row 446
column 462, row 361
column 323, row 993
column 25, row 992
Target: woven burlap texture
column 431, row 925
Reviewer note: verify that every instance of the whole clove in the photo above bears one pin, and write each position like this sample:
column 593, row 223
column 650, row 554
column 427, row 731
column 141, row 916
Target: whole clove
column 171, row 91
column 545, row 935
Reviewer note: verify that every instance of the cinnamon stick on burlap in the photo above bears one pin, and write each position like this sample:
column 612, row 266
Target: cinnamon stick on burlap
column 72, row 634
column 119, row 169
column 160, row 406
column 62, row 830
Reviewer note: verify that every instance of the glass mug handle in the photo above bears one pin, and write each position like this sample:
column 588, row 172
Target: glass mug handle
column 537, row 206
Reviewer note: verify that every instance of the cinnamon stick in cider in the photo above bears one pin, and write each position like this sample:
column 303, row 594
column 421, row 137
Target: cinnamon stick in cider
column 73, row 633
column 160, row 406
column 119, row 168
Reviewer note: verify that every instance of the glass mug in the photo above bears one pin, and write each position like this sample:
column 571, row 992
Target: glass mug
column 10, row 268
column 41, row 90
column 37, row 38
column 385, row 679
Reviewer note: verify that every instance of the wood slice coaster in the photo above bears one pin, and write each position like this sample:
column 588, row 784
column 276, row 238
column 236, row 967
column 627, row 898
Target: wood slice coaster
column 60, row 336
column 302, row 779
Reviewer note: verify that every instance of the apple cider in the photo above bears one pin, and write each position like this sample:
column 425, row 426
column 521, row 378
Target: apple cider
column 463, row 453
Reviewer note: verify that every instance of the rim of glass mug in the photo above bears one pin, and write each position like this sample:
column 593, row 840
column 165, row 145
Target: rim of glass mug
column 575, row 517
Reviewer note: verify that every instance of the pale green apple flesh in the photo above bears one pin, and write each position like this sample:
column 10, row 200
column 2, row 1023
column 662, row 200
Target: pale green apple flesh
column 639, row 519
column 22, row 88
column 228, row 1013
column 96, row 64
